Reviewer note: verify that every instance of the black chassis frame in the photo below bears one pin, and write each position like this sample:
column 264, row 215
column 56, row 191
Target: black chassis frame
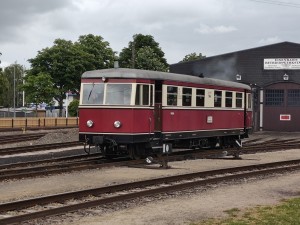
column 156, row 140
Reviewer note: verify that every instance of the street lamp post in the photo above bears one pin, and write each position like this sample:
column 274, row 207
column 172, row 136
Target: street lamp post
column 23, row 80
column 14, row 91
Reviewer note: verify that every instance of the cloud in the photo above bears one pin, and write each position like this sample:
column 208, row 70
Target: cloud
column 205, row 29
column 269, row 40
column 207, row 26
column 16, row 16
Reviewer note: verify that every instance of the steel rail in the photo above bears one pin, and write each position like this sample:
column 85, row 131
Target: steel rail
column 46, row 170
column 2, row 129
column 9, row 173
column 80, row 157
column 20, row 137
column 35, row 148
column 242, row 172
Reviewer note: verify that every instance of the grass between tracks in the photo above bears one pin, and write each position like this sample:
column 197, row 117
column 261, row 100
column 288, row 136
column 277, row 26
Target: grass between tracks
column 285, row 213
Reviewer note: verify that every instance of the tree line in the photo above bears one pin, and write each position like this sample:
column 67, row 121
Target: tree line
column 56, row 70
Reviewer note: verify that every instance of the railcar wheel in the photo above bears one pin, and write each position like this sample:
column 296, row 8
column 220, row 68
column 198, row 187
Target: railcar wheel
column 133, row 151
column 105, row 151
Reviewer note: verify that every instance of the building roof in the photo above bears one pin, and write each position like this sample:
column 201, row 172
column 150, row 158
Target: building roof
column 285, row 43
column 248, row 63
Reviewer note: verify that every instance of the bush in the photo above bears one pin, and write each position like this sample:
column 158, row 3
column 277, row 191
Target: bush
column 73, row 108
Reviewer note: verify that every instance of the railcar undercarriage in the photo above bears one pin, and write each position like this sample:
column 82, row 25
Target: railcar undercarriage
column 110, row 148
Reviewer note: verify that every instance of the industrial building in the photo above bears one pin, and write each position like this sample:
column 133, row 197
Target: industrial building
column 272, row 71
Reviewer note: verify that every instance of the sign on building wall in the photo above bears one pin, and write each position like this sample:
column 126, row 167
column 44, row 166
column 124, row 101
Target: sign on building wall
column 285, row 117
column 282, row 63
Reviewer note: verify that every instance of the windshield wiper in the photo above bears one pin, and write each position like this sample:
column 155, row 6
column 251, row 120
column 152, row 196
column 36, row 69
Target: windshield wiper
column 91, row 91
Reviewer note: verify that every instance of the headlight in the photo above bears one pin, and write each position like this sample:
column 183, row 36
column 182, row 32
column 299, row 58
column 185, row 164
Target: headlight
column 89, row 123
column 117, row 124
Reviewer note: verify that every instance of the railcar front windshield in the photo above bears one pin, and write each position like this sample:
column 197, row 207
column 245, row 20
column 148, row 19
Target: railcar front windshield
column 106, row 94
column 92, row 93
column 118, row 94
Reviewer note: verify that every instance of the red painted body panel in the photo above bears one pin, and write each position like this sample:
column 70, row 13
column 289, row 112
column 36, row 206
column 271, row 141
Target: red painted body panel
column 132, row 120
column 188, row 120
column 249, row 122
column 114, row 80
column 168, row 82
column 137, row 120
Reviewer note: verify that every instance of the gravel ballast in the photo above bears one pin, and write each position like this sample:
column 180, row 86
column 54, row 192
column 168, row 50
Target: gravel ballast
column 181, row 209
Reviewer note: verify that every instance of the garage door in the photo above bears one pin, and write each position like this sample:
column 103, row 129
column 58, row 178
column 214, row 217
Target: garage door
column 281, row 107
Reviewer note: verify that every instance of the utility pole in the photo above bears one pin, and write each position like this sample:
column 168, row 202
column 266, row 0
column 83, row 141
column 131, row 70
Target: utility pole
column 14, row 90
column 23, row 76
column 133, row 54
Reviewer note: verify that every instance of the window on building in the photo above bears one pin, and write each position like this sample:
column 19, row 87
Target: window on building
column 293, row 97
column 186, row 96
column 239, row 100
column 218, row 99
column 274, row 97
column 228, row 99
column 200, row 97
column 172, row 95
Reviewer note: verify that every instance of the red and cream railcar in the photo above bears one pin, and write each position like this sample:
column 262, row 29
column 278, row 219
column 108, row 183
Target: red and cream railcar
column 141, row 112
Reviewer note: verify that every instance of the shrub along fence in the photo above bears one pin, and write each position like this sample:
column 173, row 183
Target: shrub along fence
column 35, row 122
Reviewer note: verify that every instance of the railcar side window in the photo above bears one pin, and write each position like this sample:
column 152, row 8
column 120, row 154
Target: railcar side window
column 228, row 99
column 239, row 100
column 142, row 94
column 151, row 94
column 172, row 95
column 118, row 94
column 249, row 101
column 200, row 96
column 186, row 96
column 218, row 99
column 92, row 93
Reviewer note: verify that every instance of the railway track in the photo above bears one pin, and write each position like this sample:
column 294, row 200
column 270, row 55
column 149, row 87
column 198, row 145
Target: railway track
column 57, row 166
column 27, row 164
column 37, row 208
column 94, row 161
column 35, row 148
column 36, row 128
column 250, row 148
column 271, row 145
column 8, row 139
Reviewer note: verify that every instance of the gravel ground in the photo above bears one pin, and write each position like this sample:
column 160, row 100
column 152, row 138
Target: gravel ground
column 174, row 209
column 52, row 136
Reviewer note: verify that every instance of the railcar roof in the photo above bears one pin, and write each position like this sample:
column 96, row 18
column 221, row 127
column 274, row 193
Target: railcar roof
column 156, row 75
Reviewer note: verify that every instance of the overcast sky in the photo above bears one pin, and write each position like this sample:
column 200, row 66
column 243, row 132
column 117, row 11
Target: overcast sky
column 210, row 27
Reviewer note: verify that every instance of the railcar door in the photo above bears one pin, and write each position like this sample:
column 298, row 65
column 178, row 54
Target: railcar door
column 158, row 106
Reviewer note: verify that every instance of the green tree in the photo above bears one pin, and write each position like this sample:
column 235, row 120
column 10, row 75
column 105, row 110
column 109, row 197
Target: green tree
column 129, row 56
column 39, row 89
column 3, row 90
column 73, row 108
column 100, row 54
column 65, row 62
column 147, row 59
column 193, row 56
column 12, row 76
